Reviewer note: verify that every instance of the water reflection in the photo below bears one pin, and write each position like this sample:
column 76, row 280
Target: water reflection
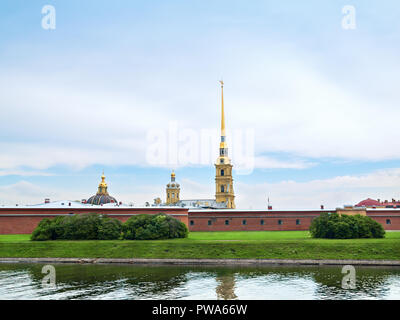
column 226, row 287
column 24, row 281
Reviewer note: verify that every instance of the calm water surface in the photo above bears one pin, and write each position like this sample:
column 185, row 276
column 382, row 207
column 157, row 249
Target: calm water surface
column 24, row 281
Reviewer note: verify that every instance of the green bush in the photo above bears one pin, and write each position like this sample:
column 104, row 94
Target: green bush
column 110, row 229
column 153, row 227
column 78, row 227
column 93, row 226
column 335, row 226
column 43, row 231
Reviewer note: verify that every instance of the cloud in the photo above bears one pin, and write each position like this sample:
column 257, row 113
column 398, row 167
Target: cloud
column 24, row 173
column 263, row 162
column 294, row 97
column 332, row 193
column 22, row 192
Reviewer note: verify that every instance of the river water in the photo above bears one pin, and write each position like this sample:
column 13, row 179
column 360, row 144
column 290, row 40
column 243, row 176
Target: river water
column 25, row 281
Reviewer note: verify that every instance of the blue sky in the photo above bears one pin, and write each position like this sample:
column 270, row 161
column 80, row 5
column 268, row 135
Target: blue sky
column 320, row 103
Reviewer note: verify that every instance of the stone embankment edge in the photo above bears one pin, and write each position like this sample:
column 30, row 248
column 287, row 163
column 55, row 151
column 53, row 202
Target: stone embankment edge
column 201, row 262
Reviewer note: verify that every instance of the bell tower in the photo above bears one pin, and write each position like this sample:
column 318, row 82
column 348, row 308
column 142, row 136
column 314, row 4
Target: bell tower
column 223, row 178
column 173, row 190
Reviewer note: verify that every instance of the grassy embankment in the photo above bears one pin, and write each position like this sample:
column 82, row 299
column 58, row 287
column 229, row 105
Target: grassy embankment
column 218, row 245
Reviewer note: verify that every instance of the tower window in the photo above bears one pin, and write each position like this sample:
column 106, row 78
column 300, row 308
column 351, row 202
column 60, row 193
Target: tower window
column 222, row 188
column 221, row 161
column 209, row 222
column 173, row 195
column 262, row 222
column 244, row 222
column 222, row 172
column 227, row 222
column 298, row 221
column 280, row 222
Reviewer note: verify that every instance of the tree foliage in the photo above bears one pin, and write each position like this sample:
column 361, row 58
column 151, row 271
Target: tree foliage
column 160, row 226
column 335, row 226
column 89, row 226
column 94, row 226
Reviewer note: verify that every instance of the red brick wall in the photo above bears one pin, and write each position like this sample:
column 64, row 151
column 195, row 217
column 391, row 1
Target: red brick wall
column 24, row 221
column 18, row 225
column 382, row 216
column 198, row 221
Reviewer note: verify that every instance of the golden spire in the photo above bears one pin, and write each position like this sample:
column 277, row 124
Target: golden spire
column 173, row 176
column 223, row 146
column 222, row 109
column 102, row 185
column 103, row 182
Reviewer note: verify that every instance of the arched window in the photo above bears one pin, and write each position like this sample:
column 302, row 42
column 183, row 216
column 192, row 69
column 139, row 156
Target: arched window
column 222, row 172
column 222, row 188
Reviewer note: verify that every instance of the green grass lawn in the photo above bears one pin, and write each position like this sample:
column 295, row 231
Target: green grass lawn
column 241, row 245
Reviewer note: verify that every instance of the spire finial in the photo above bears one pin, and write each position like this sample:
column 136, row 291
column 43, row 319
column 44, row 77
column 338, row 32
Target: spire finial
column 222, row 109
column 102, row 185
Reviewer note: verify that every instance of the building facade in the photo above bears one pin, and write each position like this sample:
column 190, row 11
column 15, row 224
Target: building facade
column 23, row 220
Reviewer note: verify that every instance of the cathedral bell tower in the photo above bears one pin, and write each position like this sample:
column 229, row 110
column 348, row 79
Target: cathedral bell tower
column 173, row 189
column 223, row 179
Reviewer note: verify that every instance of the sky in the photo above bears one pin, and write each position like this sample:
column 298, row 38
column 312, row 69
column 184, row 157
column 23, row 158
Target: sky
column 131, row 88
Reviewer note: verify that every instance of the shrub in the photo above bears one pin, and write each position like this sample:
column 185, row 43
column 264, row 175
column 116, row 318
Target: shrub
column 335, row 226
column 93, row 226
column 78, row 227
column 81, row 227
column 43, row 231
column 153, row 227
column 110, row 229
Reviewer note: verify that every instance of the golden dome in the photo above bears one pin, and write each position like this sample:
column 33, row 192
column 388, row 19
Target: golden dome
column 102, row 196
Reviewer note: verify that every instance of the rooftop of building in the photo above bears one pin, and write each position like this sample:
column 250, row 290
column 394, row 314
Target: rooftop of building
column 378, row 203
column 75, row 204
